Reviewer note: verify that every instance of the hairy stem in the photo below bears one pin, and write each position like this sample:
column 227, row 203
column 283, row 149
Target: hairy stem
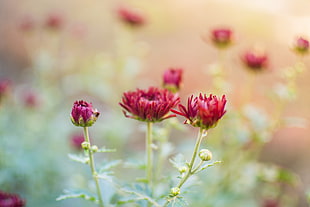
column 92, row 167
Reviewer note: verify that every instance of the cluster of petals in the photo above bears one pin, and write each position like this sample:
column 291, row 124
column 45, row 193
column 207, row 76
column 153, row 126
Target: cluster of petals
column 203, row 111
column 255, row 61
column 172, row 79
column 83, row 114
column 130, row 16
column 151, row 105
column 221, row 37
column 11, row 200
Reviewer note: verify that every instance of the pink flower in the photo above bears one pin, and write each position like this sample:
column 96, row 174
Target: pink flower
column 31, row 99
column 130, row 16
column 11, row 200
column 151, row 105
column 83, row 114
column 222, row 37
column 5, row 86
column 255, row 61
column 27, row 24
column 76, row 141
column 172, row 79
column 271, row 203
column 202, row 111
column 54, row 21
column 301, row 46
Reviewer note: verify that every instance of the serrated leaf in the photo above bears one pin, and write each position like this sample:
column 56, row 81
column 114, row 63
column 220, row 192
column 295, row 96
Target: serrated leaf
column 77, row 194
column 108, row 165
column 103, row 149
column 78, row 158
column 177, row 201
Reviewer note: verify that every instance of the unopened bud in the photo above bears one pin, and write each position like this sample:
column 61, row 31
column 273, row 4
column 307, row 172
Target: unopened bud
column 85, row 145
column 182, row 169
column 175, row 191
column 205, row 155
column 94, row 148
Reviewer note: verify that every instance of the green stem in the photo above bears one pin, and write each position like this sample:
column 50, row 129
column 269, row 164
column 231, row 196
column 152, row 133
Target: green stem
column 149, row 156
column 190, row 171
column 92, row 167
column 191, row 164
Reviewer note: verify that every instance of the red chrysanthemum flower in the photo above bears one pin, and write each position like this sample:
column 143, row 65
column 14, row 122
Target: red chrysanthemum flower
column 203, row 111
column 83, row 114
column 222, row 37
column 130, row 16
column 172, row 79
column 151, row 105
column 301, row 46
column 11, row 200
column 255, row 61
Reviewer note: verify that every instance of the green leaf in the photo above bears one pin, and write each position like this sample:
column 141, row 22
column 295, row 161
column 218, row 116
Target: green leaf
column 106, row 176
column 107, row 166
column 78, row 158
column 176, row 201
column 139, row 193
column 209, row 165
column 103, row 149
column 77, row 194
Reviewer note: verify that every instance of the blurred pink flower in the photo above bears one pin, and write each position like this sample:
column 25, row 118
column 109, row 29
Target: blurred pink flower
column 271, row 203
column 83, row 114
column 202, row 111
column 31, row 99
column 54, row 21
column 301, row 46
column 11, row 200
column 130, row 16
column 172, row 79
column 255, row 61
column 151, row 105
column 27, row 24
column 222, row 37
column 5, row 86
column 76, row 140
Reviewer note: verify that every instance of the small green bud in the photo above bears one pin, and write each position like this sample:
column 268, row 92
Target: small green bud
column 182, row 169
column 175, row 191
column 205, row 155
column 94, row 148
column 85, row 145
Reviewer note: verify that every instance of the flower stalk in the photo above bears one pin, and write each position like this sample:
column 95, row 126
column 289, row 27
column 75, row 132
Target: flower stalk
column 92, row 167
column 190, row 171
column 149, row 154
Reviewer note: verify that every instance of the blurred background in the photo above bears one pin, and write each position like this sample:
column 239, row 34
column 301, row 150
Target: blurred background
column 81, row 49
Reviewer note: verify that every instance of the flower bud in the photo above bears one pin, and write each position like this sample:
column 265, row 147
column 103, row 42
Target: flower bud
column 205, row 155
column 85, row 145
column 94, row 148
column 172, row 79
column 301, row 46
column 175, row 191
column 182, row 169
column 83, row 114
